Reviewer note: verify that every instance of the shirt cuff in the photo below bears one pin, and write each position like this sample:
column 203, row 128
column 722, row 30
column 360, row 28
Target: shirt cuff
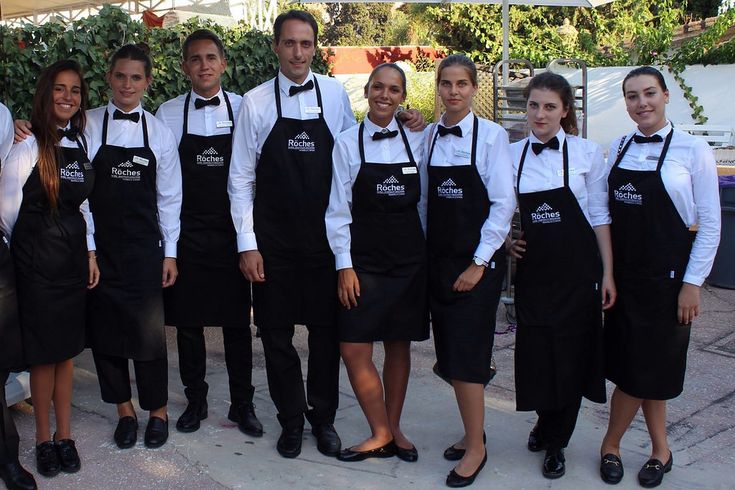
column 693, row 279
column 484, row 252
column 246, row 241
column 91, row 245
column 343, row 260
column 169, row 249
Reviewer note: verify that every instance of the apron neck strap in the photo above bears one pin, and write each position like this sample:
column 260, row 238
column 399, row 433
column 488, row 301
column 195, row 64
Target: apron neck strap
column 185, row 129
column 361, row 144
column 565, row 164
column 405, row 142
column 665, row 150
column 145, row 129
column 473, row 154
column 229, row 112
column 82, row 143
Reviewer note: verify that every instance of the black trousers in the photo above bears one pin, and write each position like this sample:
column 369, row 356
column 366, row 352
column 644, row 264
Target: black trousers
column 238, row 343
column 286, row 383
column 150, row 376
column 9, row 439
column 557, row 426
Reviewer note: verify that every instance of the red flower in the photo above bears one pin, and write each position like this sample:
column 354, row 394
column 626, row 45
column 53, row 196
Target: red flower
column 21, row 44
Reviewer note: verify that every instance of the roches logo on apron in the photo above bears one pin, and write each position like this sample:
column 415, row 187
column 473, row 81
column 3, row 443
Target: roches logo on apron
column 301, row 142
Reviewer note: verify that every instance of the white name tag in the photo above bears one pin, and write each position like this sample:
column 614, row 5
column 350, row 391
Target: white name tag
column 140, row 160
column 572, row 171
column 5, row 240
column 409, row 170
column 224, row 124
column 313, row 110
column 462, row 153
column 87, row 166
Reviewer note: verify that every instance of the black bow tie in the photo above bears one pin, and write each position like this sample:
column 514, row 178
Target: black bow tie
column 199, row 103
column 133, row 116
column 70, row 133
column 553, row 144
column 382, row 135
column 455, row 130
column 656, row 138
column 295, row 89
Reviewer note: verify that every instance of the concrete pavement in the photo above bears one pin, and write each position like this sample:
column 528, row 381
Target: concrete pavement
column 701, row 429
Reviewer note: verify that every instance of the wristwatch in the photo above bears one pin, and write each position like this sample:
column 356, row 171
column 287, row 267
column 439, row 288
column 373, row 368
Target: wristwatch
column 478, row 261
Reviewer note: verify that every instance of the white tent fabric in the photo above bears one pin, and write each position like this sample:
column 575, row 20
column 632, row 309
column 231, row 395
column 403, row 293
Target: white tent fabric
column 16, row 8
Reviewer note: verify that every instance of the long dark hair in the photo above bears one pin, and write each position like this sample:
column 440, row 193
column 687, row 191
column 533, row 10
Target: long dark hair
column 44, row 124
column 559, row 85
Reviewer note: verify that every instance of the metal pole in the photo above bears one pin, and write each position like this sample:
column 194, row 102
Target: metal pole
column 506, row 30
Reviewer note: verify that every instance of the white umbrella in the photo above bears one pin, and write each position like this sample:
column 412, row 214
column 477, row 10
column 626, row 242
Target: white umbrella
column 505, row 4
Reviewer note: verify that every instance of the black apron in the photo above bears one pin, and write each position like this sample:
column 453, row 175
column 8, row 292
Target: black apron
column 49, row 250
column 210, row 289
column 293, row 181
column 125, row 311
column 645, row 346
column 388, row 251
column 11, row 347
column 558, row 351
column 463, row 322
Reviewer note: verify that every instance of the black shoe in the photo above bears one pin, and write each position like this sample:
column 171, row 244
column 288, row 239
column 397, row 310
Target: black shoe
column 190, row 420
column 68, row 456
column 652, row 473
column 126, row 432
column 289, row 443
column 327, row 440
column 385, row 451
column 455, row 454
column 410, row 455
column 535, row 442
column 47, row 461
column 16, row 477
column 156, row 432
column 611, row 469
column 456, row 480
column 554, row 464
column 247, row 422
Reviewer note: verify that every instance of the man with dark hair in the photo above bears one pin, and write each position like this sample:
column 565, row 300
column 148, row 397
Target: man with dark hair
column 283, row 139
column 210, row 290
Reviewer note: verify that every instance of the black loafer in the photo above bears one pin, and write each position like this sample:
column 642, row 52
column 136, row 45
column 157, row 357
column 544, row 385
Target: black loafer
column 554, row 466
column 351, row 456
column 455, row 480
column 156, row 433
column 611, row 469
column 455, row 454
column 410, row 455
column 652, row 473
column 126, row 432
column 535, row 442
column 327, row 440
column 244, row 415
column 16, row 477
column 289, row 443
column 190, row 420
column 47, row 460
column 68, row 456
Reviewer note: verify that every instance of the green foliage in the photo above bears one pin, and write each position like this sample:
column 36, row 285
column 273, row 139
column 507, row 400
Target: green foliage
column 701, row 9
column 92, row 41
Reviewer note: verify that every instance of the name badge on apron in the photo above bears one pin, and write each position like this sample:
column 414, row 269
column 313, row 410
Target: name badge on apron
column 87, row 166
column 313, row 110
column 224, row 124
column 409, row 170
column 140, row 160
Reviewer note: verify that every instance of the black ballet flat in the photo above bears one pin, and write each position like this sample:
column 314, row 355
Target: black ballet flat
column 385, row 451
column 455, row 454
column 455, row 480
column 652, row 473
column 410, row 455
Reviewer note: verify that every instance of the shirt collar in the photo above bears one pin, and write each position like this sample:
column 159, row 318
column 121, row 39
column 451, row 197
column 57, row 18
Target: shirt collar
column 285, row 83
column 465, row 124
column 560, row 135
column 111, row 108
column 195, row 95
column 373, row 128
column 663, row 132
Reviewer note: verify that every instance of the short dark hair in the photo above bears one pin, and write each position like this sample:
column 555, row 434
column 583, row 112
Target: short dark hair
column 301, row 15
column 461, row 60
column 558, row 84
column 645, row 70
column 388, row 65
column 202, row 35
column 136, row 52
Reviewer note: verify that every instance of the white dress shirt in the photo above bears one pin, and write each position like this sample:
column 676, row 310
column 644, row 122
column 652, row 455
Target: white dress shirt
column 495, row 168
column 346, row 167
column 689, row 174
column 129, row 134
column 257, row 116
column 587, row 173
column 210, row 120
column 15, row 172
column 6, row 133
